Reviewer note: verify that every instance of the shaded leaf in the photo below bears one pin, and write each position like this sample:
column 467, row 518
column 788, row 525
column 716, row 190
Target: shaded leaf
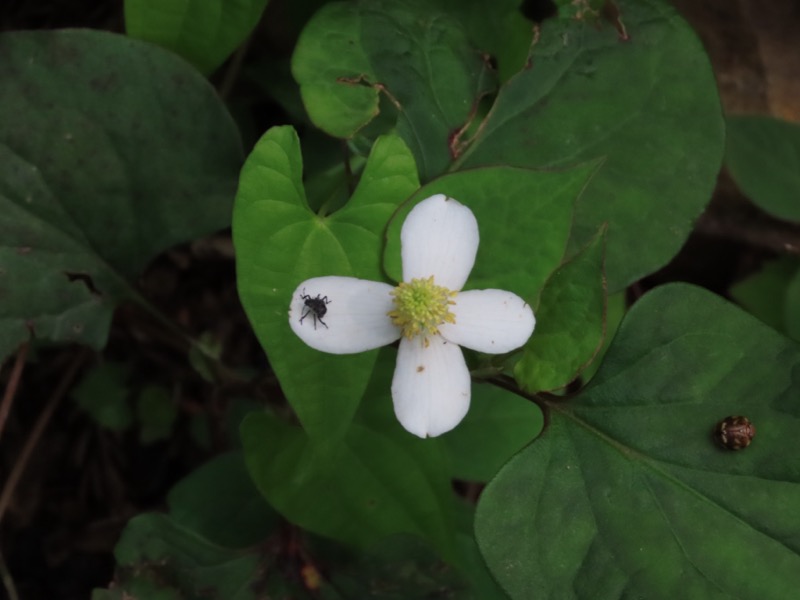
column 104, row 395
column 772, row 295
column 164, row 557
column 220, row 502
column 156, row 412
column 763, row 157
column 111, row 151
column 397, row 568
column 791, row 308
column 626, row 494
column 204, row 33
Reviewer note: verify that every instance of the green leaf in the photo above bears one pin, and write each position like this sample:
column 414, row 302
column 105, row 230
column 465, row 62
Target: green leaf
column 763, row 157
column 156, row 412
column 357, row 490
column 507, row 201
column 647, row 104
column 204, row 33
column 791, row 308
column 111, row 151
column 236, row 518
column 138, row 587
column 765, row 294
column 163, row 556
column 496, row 28
column 625, row 492
column 396, row 568
column 617, row 306
column 570, row 322
column 496, row 427
column 104, row 395
column 280, row 243
column 350, row 53
column 377, row 480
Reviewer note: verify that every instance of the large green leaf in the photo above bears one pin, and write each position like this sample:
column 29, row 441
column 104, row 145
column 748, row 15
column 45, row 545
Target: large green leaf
column 648, row 104
column 203, row 32
column 524, row 217
column 773, row 295
column 763, row 156
column 111, row 151
column 280, row 243
column 358, row 489
column 570, row 322
column 625, row 494
column 352, row 52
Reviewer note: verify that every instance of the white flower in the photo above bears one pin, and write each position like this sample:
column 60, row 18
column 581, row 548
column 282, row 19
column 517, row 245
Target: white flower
column 427, row 312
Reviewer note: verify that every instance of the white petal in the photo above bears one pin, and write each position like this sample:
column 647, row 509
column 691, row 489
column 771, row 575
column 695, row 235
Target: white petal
column 354, row 318
column 440, row 238
column 491, row 321
column 431, row 386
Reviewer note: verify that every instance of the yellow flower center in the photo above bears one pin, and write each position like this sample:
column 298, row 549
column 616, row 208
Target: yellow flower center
column 421, row 307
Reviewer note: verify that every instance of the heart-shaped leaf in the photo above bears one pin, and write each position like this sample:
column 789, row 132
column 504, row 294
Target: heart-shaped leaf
column 280, row 243
column 111, row 151
column 626, row 493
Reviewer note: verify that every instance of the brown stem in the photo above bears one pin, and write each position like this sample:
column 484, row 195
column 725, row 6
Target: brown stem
column 13, row 383
column 38, row 430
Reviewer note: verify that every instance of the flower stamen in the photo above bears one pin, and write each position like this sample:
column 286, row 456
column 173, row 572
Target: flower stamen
column 421, row 307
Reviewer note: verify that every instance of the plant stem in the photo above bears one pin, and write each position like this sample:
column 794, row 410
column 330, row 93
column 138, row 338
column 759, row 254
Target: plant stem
column 38, row 430
column 8, row 581
column 13, row 383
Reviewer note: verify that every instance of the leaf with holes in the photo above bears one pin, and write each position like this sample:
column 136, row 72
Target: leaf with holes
column 639, row 93
column 111, row 151
column 352, row 52
column 626, row 494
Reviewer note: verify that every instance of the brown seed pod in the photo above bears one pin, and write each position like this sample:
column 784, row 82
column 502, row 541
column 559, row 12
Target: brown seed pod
column 734, row 432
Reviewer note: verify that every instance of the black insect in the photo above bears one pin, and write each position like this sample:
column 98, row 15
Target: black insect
column 316, row 307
